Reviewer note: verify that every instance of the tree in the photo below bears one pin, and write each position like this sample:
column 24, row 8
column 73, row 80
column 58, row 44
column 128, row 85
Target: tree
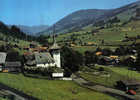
column 106, row 52
column 138, row 61
column 71, row 59
column 138, row 12
column 120, row 51
column 90, row 58
column 43, row 39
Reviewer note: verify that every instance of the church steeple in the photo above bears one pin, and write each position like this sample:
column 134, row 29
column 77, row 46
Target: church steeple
column 55, row 50
column 54, row 40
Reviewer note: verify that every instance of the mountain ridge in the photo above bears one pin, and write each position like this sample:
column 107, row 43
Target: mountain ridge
column 85, row 17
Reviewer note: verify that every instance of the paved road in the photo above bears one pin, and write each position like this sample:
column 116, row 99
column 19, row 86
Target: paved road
column 103, row 89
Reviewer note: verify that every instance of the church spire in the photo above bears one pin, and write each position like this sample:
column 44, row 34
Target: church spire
column 55, row 45
column 54, row 40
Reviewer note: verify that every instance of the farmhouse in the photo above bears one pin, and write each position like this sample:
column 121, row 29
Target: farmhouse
column 8, row 64
column 2, row 59
column 12, row 66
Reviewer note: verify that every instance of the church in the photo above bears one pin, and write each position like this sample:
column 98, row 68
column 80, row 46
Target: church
column 50, row 58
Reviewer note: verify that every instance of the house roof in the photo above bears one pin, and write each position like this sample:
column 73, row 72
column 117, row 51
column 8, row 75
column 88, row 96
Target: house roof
column 54, row 46
column 13, row 64
column 98, row 53
column 2, row 57
column 43, row 58
column 133, row 57
column 114, row 57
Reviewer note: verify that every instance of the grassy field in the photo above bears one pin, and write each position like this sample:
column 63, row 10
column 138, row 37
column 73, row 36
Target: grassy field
column 116, row 74
column 3, row 98
column 49, row 89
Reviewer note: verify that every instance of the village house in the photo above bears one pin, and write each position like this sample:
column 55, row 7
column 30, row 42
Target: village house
column 105, row 60
column 2, row 59
column 12, row 66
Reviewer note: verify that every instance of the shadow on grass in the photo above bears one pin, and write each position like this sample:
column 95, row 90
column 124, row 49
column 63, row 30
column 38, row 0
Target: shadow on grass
column 36, row 76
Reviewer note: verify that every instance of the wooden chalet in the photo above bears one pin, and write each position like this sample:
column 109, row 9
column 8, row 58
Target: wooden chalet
column 12, row 66
column 128, row 84
column 2, row 59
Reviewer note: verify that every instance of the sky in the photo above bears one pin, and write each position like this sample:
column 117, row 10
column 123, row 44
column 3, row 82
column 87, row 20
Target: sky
column 48, row 12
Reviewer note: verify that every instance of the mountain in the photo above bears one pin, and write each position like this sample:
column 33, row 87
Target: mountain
column 32, row 30
column 79, row 19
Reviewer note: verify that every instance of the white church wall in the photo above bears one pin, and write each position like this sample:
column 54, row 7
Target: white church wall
column 57, row 59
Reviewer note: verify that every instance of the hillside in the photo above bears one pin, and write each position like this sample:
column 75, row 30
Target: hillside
column 92, row 37
column 13, row 35
column 83, row 18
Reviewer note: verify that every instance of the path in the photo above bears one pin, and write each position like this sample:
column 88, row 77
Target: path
column 103, row 89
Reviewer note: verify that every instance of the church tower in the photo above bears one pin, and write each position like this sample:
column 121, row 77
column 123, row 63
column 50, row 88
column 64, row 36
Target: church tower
column 55, row 51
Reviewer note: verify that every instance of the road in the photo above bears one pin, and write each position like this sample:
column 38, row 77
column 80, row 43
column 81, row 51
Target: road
column 99, row 88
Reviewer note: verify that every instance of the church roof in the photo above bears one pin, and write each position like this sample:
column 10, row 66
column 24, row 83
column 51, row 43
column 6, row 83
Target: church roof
column 43, row 58
column 54, row 46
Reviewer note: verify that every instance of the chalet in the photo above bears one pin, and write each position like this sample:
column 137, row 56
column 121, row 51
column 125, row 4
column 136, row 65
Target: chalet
column 104, row 60
column 43, row 49
column 72, row 45
column 114, row 57
column 26, row 48
column 131, row 59
column 12, row 66
column 98, row 53
column 2, row 59
column 91, row 43
column 127, row 84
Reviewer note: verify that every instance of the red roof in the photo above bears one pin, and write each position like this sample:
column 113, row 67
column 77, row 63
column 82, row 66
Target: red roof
column 132, row 92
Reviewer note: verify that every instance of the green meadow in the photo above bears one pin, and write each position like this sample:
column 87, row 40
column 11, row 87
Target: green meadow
column 51, row 89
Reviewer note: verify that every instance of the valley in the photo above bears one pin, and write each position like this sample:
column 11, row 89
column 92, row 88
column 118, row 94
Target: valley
column 91, row 53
